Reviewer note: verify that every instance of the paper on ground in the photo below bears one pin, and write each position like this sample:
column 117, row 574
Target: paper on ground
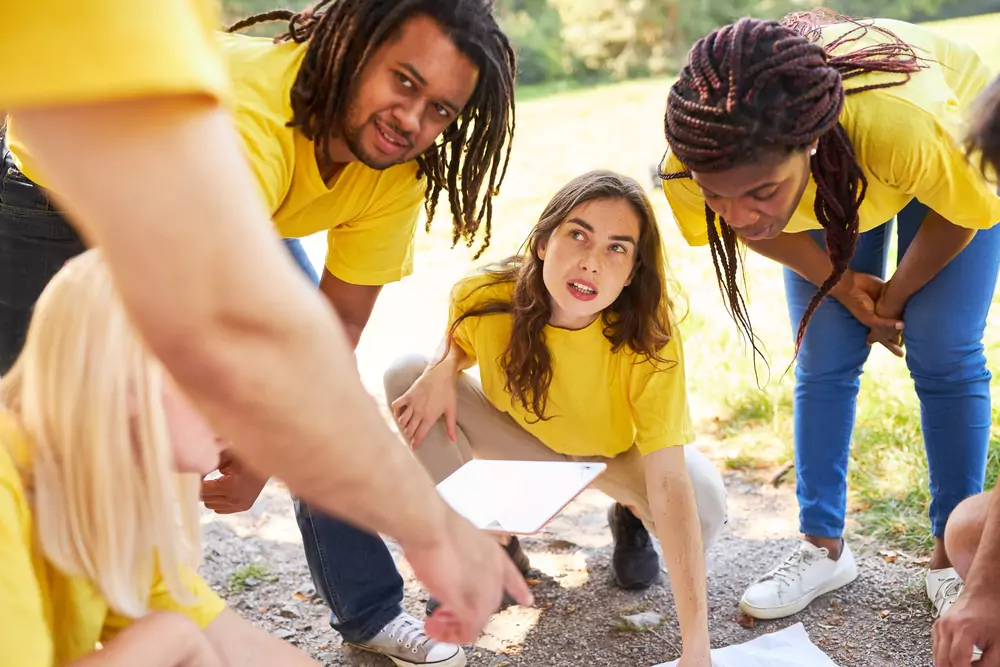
column 790, row 647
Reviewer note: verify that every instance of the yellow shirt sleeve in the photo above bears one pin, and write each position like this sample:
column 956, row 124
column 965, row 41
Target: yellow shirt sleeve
column 926, row 162
column 377, row 248
column 68, row 51
column 659, row 401
column 206, row 608
column 686, row 202
column 461, row 301
column 25, row 640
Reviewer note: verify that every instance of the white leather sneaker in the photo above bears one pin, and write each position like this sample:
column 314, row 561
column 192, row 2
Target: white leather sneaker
column 404, row 642
column 805, row 575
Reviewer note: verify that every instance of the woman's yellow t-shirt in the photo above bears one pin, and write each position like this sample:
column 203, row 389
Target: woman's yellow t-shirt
column 907, row 139
column 600, row 403
column 370, row 215
column 47, row 618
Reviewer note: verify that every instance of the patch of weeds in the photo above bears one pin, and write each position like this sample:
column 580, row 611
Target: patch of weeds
column 247, row 576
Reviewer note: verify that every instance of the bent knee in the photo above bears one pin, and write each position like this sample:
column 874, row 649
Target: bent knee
column 401, row 374
column 964, row 531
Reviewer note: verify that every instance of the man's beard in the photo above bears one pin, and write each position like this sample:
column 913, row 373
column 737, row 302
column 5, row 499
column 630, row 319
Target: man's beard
column 352, row 137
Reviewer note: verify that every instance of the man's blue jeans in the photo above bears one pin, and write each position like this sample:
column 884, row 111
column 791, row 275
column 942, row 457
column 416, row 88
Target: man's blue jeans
column 351, row 569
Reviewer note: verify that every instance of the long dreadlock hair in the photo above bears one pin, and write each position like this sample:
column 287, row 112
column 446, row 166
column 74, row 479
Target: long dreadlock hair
column 757, row 85
column 473, row 151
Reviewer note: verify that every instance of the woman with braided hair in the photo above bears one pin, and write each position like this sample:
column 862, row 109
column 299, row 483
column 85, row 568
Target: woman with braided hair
column 803, row 140
column 359, row 115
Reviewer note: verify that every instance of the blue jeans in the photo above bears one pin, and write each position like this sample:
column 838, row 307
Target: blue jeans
column 352, row 570
column 947, row 362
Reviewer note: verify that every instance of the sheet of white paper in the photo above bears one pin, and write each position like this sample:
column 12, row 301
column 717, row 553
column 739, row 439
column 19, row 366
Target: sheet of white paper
column 515, row 496
column 790, row 647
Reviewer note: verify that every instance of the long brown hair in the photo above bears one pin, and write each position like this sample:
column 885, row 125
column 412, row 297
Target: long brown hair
column 640, row 318
column 756, row 85
column 470, row 159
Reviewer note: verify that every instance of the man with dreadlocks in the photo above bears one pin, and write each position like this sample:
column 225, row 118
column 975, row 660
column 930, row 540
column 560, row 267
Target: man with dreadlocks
column 805, row 138
column 359, row 113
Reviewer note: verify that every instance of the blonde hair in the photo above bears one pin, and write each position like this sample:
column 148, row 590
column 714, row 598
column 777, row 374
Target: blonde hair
column 107, row 501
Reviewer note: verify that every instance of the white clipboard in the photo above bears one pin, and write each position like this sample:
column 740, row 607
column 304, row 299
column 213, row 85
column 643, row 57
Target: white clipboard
column 516, row 497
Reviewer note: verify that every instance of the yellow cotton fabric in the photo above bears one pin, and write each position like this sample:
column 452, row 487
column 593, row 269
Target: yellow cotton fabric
column 370, row 215
column 70, row 52
column 908, row 141
column 600, row 402
column 48, row 619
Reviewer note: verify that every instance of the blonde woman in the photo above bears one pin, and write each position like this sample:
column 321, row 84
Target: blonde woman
column 100, row 456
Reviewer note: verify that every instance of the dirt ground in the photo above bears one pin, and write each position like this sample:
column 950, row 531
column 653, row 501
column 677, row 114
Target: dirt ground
column 881, row 619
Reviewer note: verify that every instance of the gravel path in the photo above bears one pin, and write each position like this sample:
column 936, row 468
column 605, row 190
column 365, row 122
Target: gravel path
column 881, row 619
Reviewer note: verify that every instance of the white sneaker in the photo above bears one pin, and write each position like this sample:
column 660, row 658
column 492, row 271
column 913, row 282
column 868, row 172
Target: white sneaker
column 805, row 575
column 404, row 642
column 944, row 586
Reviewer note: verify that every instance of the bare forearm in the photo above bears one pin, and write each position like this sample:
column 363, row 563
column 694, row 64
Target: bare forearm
column 217, row 299
column 935, row 244
column 799, row 253
column 675, row 513
column 984, row 575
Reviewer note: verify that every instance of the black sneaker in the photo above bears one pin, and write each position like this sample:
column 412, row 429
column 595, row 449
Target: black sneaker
column 513, row 549
column 635, row 563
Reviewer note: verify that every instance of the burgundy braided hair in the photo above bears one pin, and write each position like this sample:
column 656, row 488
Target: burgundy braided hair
column 757, row 85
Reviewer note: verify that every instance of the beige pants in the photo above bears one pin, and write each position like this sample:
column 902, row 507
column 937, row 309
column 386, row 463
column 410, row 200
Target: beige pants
column 486, row 433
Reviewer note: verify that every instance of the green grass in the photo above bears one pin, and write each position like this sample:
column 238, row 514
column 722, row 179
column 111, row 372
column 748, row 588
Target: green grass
column 242, row 577
column 563, row 131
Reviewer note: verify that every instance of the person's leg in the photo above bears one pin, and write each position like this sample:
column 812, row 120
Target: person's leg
column 964, row 530
column 482, row 431
column 35, row 241
column 827, row 379
column 352, row 570
column 943, row 340
column 625, row 481
column 635, row 563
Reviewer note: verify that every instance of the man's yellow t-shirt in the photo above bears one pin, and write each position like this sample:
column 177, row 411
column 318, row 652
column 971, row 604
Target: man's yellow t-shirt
column 369, row 215
column 907, row 139
column 71, row 52
column 48, row 619
column 600, row 403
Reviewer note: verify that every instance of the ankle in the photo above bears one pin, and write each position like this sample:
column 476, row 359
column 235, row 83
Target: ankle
column 939, row 557
column 833, row 545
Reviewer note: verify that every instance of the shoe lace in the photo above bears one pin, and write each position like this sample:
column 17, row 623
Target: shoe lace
column 950, row 589
column 793, row 566
column 408, row 632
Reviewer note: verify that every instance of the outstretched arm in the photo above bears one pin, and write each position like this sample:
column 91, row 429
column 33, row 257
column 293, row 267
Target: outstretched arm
column 675, row 513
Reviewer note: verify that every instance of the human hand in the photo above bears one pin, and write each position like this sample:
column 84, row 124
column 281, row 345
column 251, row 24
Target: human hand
column 889, row 308
column 859, row 293
column 699, row 658
column 236, row 490
column 974, row 620
column 468, row 573
column 430, row 397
